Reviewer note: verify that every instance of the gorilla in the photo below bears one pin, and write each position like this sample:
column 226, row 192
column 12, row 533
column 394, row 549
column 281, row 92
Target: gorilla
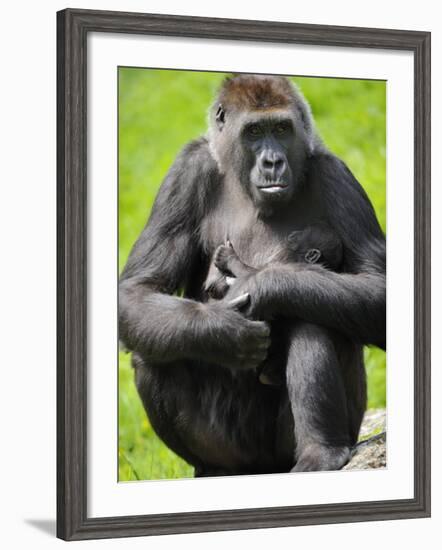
column 259, row 176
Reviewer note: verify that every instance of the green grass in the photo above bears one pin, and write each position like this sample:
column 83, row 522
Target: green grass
column 159, row 111
column 142, row 455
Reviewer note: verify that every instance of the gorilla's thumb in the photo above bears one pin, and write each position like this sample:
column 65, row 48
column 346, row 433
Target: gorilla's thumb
column 240, row 302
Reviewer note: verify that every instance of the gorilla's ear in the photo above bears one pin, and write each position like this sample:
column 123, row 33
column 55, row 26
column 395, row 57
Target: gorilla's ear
column 220, row 117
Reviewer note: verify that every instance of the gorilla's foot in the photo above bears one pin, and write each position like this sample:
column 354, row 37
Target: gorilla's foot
column 316, row 458
column 227, row 260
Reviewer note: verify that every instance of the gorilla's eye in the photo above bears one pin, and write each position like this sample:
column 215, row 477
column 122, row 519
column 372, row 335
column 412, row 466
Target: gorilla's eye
column 254, row 130
column 282, row 128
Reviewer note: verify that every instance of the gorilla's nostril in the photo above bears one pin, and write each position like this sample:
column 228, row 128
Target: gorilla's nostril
column 272, row 165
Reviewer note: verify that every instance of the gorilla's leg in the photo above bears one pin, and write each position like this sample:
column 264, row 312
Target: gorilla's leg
column 318, row 399
column 156, row 387
column 220, row 422
column 351, row 361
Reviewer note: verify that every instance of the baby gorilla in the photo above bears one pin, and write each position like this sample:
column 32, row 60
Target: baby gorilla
column 317, row 244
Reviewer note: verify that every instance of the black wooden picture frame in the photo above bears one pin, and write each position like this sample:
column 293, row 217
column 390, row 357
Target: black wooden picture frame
column 73, row 27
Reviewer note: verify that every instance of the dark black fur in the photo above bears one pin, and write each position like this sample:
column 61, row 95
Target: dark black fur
column 317, row 244
column 195, row 359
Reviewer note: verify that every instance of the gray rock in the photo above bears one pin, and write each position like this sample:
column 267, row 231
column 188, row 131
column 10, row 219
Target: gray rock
column 371, row 450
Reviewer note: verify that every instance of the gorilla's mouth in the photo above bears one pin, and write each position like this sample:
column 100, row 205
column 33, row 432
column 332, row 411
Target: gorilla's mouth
column 273, row 187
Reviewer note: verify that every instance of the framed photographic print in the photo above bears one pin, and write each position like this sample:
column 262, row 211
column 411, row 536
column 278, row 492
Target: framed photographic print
column 239, row 344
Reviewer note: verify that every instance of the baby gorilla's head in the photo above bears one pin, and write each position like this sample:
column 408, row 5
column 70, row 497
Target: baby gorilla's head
column 318, row 244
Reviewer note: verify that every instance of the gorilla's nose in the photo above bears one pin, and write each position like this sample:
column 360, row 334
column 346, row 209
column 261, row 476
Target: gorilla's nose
column 272, row 165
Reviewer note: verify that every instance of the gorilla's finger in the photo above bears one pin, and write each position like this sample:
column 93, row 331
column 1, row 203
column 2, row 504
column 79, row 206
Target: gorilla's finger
column 265, row 379
column 260, row 328
column 249, row 364
column 255, row 356
column 221, row 259
column 240, row 302
column 263, row 345
column 258, row 357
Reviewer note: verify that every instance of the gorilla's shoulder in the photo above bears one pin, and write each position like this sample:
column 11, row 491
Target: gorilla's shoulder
column 326, row 163
column 197, row 153
column 193, row 178
column 195, row 146
column 331, row 173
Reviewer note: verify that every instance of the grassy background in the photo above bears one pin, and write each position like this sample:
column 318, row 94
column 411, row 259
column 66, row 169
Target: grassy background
column 159, row 111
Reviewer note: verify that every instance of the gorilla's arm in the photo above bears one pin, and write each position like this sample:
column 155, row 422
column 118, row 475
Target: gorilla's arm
column 163, row 327
column 353, row 302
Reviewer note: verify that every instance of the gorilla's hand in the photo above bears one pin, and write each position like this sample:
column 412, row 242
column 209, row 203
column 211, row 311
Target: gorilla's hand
column 244, row 279
column 270, row 288
column 230, row 339
column 248, row 284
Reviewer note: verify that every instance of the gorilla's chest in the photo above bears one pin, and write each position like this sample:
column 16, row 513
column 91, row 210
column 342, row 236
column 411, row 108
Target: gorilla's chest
column 250, row 238
column 256, row 239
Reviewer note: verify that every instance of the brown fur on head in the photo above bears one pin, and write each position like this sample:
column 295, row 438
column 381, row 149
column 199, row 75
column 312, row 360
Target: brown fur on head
column 248, row 93
column 256, row 92
column 275, row 110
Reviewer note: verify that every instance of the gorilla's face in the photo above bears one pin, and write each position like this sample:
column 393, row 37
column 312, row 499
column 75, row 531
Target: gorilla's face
column 268, row 145
column 266, row 151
